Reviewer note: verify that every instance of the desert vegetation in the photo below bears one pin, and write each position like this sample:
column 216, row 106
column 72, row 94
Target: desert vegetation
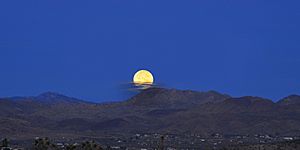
column 47, row 144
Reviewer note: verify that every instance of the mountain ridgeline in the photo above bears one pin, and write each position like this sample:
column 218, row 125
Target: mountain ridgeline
column 154, row 110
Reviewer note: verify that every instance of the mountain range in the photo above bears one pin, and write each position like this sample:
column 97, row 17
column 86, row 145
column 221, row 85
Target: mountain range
column 154, row 110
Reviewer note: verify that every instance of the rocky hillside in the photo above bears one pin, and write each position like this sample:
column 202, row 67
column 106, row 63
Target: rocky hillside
column 152, row 110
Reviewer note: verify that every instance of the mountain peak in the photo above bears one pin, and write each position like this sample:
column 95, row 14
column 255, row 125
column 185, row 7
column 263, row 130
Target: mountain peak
column 175, row 98
column 55, row 97
column 291, row 99
column 51, row 95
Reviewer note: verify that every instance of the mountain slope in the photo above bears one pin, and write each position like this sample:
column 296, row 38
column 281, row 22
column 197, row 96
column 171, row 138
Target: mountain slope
column 153, row 110
column 292, row 99
column 159, row 97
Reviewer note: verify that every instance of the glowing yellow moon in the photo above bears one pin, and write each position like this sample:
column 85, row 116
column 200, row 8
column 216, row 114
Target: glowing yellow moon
column 143, row 77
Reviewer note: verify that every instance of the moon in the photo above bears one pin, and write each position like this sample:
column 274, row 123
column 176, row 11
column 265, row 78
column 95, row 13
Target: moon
column 143, row 77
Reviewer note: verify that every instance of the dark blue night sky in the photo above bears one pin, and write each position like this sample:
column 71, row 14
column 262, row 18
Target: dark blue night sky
column 88, row 49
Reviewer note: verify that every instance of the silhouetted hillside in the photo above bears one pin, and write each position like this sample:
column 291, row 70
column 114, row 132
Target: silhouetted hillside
column 155, row 110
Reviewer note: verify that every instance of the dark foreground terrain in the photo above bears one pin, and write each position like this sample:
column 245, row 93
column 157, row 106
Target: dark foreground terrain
column 161, row 143
column 187, row 119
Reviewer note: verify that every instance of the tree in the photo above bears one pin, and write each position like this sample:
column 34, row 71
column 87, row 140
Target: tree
column 161, row 143
column 43, row 144
column 5, row 142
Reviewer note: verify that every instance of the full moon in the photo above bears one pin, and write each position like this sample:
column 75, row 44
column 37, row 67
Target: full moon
column 143, row 77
